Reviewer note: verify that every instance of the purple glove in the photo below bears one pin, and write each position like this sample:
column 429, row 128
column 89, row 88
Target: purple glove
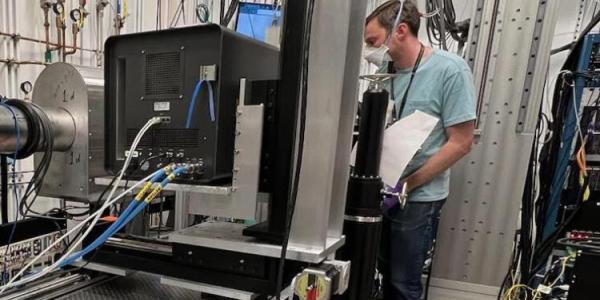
column 392, row 196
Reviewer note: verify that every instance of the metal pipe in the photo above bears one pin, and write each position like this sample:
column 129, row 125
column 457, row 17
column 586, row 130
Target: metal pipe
column 63, row 40
column 46, row 9
column 63, row 129
column 8, row 130
column 24, row 38
column 57, row 19
column 74, row 48
column 22, row 62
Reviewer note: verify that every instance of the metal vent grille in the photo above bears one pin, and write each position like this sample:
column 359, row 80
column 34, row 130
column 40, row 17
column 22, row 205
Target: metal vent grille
column 166, row 138
column 163, row 74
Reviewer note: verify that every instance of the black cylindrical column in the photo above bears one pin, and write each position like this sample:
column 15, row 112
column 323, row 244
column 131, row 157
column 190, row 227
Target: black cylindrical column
column 362, row 220
column 370, row 132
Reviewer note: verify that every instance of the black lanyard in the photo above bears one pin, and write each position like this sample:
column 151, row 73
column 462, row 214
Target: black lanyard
column 412, row 77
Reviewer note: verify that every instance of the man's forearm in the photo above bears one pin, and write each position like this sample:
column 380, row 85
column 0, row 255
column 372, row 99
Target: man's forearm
column 448, row 155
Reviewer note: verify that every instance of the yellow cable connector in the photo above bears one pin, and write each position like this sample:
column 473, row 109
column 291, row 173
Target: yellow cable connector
column 171, row 176
column 153, row 194
column 143, row 191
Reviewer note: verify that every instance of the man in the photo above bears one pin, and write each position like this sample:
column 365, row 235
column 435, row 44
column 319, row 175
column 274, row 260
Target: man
column 437, row 83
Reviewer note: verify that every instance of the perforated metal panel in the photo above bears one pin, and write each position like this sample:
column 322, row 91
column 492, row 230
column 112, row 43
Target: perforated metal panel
column 163, row 74
column 482, row 213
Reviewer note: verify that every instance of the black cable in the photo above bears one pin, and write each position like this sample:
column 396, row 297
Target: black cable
column 562, row 48
column 298, row 164
column 442, row 26
column 222, row 12
column 233, row 5
column 177, row 15
column 99, row 201
column 36, row 182
column 4, row 186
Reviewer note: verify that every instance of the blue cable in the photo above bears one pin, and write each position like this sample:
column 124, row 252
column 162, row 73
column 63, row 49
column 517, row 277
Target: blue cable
column 127, row 218
column 211, row 103
column 114, row 227
column 15, row 192
column 143, row 204
column 188, row 123
column 132, row 210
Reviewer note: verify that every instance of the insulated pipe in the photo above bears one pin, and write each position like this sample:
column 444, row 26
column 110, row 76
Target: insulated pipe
column 61, row 121
column 8, row 132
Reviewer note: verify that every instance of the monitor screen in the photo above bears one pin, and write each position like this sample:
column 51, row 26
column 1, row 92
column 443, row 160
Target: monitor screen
column 255, row 19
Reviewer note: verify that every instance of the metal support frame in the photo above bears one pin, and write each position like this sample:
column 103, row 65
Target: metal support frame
column 316, row 230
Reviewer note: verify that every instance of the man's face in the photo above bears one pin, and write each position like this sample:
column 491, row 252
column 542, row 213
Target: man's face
column 375, row 34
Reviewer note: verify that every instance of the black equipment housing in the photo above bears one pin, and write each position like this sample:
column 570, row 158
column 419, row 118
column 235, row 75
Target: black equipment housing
column 155, row 73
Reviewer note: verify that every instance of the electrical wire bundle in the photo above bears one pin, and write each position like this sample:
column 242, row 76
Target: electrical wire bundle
column 203, row 10
column 442, row 25
column 90, row 221
column 547, row 285
column 35, row 184
column 139, row 203
column 533, row 246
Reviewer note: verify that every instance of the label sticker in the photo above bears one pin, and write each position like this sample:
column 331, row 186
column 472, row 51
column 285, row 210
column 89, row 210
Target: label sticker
column 162, row 106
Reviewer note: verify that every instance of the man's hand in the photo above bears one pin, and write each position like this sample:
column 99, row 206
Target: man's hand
column 460, row 141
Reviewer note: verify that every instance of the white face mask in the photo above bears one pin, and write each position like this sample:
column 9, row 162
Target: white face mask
column 381, row 55
column 378, row 56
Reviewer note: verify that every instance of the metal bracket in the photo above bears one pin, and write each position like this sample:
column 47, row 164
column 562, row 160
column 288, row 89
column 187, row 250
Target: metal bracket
column 241, row 204
column 531, row 64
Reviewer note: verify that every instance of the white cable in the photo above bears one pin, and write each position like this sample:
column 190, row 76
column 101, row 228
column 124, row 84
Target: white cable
column 136, row 141
column 150, row 123
column 71, row 231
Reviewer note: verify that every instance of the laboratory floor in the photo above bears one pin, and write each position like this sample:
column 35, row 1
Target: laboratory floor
column 142, row 286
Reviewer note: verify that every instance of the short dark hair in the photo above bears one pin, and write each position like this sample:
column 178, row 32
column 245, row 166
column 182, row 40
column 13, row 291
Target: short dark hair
column 386, row 15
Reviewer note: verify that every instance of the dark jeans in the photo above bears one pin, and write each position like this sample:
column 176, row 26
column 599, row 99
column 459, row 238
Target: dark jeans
column 407, row 236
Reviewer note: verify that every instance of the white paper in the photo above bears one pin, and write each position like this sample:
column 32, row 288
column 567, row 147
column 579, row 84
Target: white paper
column 401, row 141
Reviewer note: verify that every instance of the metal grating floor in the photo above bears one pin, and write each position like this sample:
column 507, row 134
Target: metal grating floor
column 137, row 286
